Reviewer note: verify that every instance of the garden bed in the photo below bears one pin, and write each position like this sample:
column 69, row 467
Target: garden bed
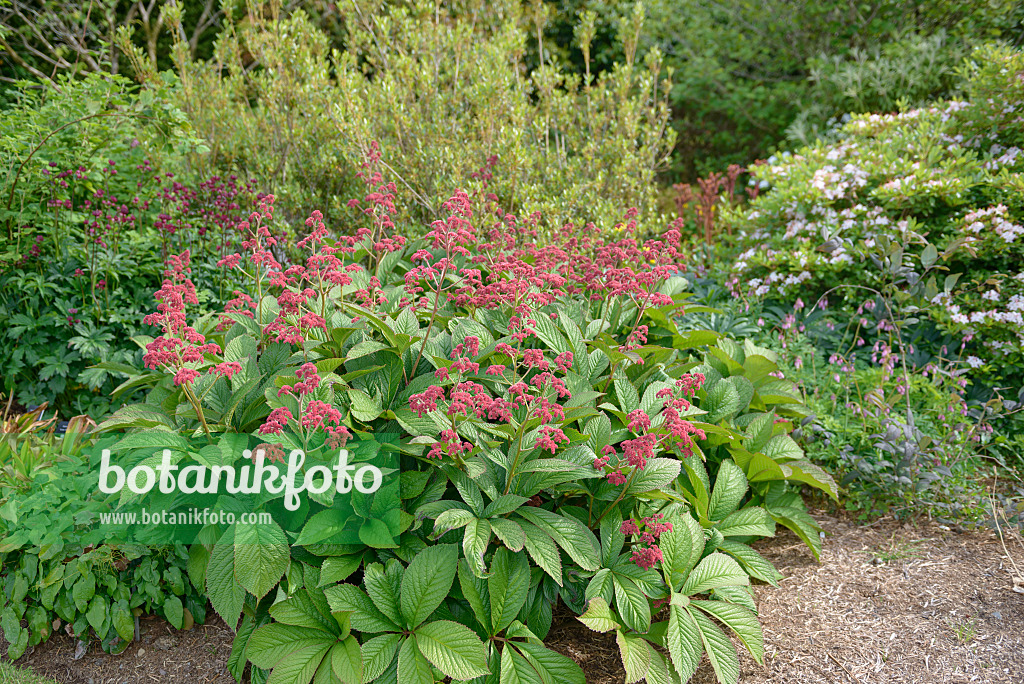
column 890, row 602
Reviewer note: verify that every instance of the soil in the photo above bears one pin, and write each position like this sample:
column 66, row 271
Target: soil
column 889, row 603
column 163, row 655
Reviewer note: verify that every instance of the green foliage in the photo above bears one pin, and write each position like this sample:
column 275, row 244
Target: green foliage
column 444, row 93
column 62, row 572
column 920, row 206
column 749, row 77
column 547, row 439
column 689, row 569
column 79, row 125
column 88, row 218
column 16, row 675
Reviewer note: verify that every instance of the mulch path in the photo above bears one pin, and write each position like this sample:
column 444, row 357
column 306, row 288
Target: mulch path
column 889, row 603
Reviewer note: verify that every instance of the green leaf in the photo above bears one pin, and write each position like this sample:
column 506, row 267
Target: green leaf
column 681, row 549
column 300, row 611
column 700, row 484
column 504, row 505
column 474, row 545
column 323, row 525
column 376, row 534
column 744, row 390
column 721, row 653
column 747, row 522
column 553, row 668
column 632, row 604
column 453, row 649
column 300, row 666
column 657, row 474
column 782, row 448
column 740, row 620
column 636, row 659
column 413, row 668
column 384, row 587
column 477, row 594
column 338, row 568
column 365, row 615
column 801, row 523
column 378, row 653
column 715, row 570
column 509, row 532
column 730, row 487
column 684, row 643
column 515, row 669
column 629, row 400
column 723, row 401
column 743, row 596
column 426, row 582
column 261, row 557
column 759, row 432
column 122, row 620
column 84, row 590
column 599, row 616
column 97, row 614
column 612, row 538
column 174, row 611
column 659, row 671
column 543, row 551
column 929, row 255
column 571, row 534
column 363, row 407
column 753, row 562
column 810, row 474
column 225, row 593
column 272, row 643
column 508, row 586
column 347, row 661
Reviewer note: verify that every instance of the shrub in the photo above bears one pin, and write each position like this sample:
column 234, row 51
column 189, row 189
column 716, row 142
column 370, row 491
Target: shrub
column 445, row 94
column 91, row 211
column 897, row 203
column 748, row 80
column 538, row 395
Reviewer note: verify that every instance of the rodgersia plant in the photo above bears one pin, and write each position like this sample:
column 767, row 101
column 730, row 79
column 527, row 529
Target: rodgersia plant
column 558, row 438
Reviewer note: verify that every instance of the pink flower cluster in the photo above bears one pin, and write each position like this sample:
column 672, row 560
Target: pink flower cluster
column 181, row 348
column 646, row 553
